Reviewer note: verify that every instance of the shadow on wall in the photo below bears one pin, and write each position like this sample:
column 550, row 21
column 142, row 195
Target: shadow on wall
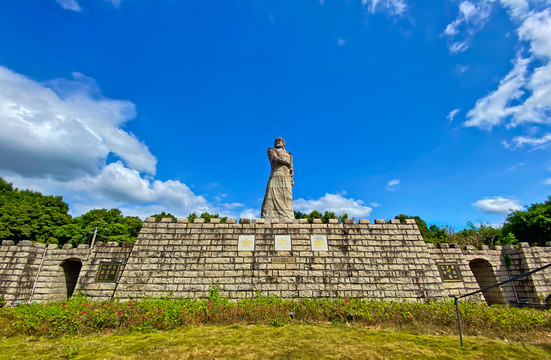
column 485, row 276
column 71, row 269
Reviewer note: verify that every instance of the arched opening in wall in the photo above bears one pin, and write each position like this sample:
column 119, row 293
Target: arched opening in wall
column 485, row 276
column 71, row 269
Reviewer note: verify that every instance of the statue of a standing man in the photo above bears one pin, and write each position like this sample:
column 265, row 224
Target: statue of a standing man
column 278, row 201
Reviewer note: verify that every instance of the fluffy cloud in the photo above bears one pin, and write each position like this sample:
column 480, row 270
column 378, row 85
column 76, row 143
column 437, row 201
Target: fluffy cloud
column 497, row 205
column 335, row 203
column 392, row 185
column 56, row 137
column 523, row 96
column 64, row 128
column 394, row 7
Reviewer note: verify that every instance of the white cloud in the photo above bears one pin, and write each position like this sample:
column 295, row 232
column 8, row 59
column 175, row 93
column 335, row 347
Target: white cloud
column 394, row 7
column 462, row 68
column 335, row 203
column 547, row 181
column 471, row 18
column 536, row 143
column 56, row 137
column 392, row 185
column 492, row 109
column 497, row 205
column 250, row 214
column 374, row 204
column 515, row 167
column 64, row 128
column 74, row 5
column 69, row 5
column 452, row 114
column 340, row 42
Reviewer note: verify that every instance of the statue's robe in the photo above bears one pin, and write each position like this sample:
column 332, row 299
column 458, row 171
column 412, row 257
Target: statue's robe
column 278, row 201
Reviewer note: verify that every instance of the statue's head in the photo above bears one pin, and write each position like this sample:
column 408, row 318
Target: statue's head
column 279, row 142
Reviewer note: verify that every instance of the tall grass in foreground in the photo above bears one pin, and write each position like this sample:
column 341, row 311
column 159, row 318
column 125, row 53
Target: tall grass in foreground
column 79, row 316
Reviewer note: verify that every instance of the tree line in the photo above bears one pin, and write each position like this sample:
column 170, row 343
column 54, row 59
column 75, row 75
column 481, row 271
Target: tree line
column 30, row 215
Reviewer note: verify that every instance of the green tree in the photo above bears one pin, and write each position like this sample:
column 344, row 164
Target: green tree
column 111, row 225
column 207, row 217
column 26, row 214
column 159, row 217
column 532, row 225
column 317, row 215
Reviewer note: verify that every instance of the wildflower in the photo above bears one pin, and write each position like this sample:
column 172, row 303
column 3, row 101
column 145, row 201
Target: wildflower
column 85, row 304
column 340, row 312
column 411, row 317
column 128, row 322
column 63, row 304
column 346, row 300
column 84, row 312
column 117, row 313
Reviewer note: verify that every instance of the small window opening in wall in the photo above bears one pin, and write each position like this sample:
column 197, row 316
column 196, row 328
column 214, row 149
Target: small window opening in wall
column 71, row 268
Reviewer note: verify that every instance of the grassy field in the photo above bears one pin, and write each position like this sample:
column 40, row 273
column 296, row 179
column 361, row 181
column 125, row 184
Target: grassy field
column 270, row 342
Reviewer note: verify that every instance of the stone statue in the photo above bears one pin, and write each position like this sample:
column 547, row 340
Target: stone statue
column 278, row 201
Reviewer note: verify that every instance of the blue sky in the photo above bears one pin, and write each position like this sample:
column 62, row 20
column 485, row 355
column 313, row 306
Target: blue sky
column 439, row 109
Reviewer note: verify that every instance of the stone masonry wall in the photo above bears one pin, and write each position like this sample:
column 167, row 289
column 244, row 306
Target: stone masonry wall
column 380, row 261
column 373, row 261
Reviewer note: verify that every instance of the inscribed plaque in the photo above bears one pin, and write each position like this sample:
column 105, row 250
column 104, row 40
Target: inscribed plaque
column 283, row 242
column 449, row 272
column 108, row 272
column 246, row 243
column 319, row 242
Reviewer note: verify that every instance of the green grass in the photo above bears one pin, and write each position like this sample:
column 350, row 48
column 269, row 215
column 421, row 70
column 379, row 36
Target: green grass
column 293, row 341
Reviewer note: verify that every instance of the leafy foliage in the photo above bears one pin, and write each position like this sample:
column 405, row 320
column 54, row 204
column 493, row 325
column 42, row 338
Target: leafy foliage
column 26, row 214
column 532, row 225
column 110, row 224
column 159, row 217
column 317, row 215
column 79, row 316
column 207, row 217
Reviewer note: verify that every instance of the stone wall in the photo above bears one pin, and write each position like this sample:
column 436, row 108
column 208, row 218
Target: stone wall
column 372, row 261
column 291, row 260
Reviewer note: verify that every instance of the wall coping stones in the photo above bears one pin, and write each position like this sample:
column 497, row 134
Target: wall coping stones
column 182, row 220
column 150, row 220
column 316, row 221
column 524, row 245
column 7, row 242
column 25, row 243
column 39, row 245
column 166, row 220
column 410, row 221
column 244, row 221
column 348, row 221
column 509, row 247
column 52, row 246
column 303, row 221
column 380, row 221
column 394, row 221
column 83, row 246
column 215, row 221
column 363, row 221
column 333, row 221
column 443, row 245
column 67, row 246
column 230, row 221
column 198, row 221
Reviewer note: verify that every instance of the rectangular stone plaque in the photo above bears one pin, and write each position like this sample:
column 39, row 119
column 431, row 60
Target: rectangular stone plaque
column 283, row 242
column 108, row 272
column 246, row 243
column 319, row 242
column 449, row 272
column 283, row 260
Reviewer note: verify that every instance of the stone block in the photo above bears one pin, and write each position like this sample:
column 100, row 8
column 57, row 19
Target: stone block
column 379, row 221
column 25, row 243
column 215, row 221
column 394, row 221
column 230, row 221
column 316, row 221
column 198, row 221
column 166, row 220
column 7, row 242
column 364, row 221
